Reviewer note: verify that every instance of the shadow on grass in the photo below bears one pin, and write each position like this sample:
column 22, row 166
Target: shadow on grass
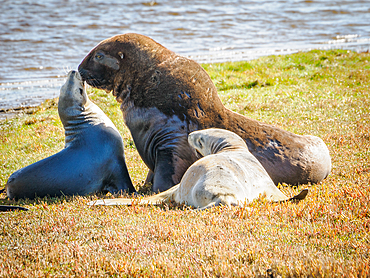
column 6, row 203
column 26, row 204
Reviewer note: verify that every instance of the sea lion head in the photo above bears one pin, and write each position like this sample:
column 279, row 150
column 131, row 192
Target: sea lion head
column 117, row 62
column 73, row 97
column 214, row 140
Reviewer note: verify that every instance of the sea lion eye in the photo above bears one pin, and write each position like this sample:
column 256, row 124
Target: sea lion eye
column 99, row 56
column 121, row 55
column 81, row 91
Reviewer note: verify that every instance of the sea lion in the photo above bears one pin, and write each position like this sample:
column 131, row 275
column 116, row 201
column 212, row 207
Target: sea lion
column 227, row 174
column 166, row 96
column 93, row 157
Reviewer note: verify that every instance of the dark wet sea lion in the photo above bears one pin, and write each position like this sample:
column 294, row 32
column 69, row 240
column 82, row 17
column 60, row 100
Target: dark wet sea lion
column 165, row 96
column 93, row 157
column 227, row 174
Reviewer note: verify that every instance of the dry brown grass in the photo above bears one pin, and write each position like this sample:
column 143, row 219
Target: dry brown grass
column 326, row 235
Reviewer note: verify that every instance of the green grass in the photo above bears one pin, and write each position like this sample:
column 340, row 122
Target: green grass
column 324, row 93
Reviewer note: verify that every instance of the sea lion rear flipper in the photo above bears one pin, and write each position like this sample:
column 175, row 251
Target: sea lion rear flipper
column 300, row 196
column 11, row 208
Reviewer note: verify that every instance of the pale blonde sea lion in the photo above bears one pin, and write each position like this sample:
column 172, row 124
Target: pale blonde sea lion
column 227, row 174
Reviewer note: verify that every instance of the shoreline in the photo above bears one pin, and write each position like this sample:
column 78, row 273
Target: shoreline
column 214, row 57
column 7, row 114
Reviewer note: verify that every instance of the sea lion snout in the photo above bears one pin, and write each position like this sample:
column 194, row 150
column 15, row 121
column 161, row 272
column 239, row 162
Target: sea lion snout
column 76, row 75
column 74, row 80
column 82, row 73
column 73, row 88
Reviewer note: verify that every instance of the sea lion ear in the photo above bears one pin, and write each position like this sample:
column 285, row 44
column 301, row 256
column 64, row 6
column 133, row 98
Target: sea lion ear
column 120, row 54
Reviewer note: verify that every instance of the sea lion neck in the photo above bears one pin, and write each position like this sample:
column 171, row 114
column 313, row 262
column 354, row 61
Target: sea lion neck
column 78, row 119
column 83, row 116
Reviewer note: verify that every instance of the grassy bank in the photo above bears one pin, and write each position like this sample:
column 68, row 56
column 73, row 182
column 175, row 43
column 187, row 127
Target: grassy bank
column 323, row 93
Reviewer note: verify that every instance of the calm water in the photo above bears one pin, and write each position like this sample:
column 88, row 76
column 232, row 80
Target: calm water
column 41, row 40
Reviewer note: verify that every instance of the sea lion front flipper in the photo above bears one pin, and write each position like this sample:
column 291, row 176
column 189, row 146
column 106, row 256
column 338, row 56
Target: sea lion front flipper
column 164, row 172
column 120, row 180
column 149, row 177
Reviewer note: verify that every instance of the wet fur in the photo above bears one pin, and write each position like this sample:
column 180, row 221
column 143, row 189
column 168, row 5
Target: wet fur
column 93, row 157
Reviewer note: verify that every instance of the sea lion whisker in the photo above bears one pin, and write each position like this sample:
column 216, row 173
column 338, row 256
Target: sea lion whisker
column 61, row 71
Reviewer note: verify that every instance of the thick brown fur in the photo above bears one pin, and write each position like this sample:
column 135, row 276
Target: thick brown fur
column 148, row 78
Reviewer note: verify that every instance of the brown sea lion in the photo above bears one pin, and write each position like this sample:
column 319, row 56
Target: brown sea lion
column 228, row 174
column 166, row 96
column 92, row 160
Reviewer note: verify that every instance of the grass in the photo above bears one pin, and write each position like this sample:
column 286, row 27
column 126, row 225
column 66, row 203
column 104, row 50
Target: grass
column 324, row 93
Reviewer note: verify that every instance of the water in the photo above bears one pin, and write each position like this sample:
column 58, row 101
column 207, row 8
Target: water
column 40, row 40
